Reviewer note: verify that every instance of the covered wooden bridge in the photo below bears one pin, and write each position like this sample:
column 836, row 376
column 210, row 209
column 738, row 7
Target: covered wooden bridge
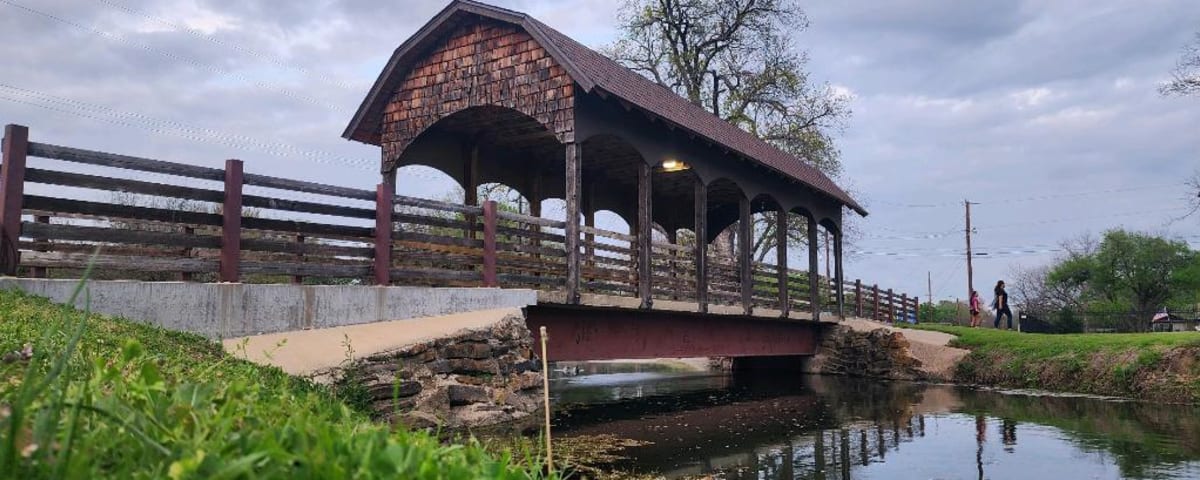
column 488, row 95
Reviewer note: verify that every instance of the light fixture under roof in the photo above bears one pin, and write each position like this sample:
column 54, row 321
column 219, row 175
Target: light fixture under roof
column 673, row 165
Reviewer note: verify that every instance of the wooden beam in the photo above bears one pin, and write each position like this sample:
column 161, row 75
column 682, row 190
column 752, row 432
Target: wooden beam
column 781, row 260
column 489, row 243
column 589, row 221
column 858, row 301
column 700, row 228
column 384, row 195
column 231, row 226
column 12, row 192
column 838, row 275
column 644, row 223
column 875, row 296
column 572, row 179
column 814, row 280
column 471, row 183
column 745, row 268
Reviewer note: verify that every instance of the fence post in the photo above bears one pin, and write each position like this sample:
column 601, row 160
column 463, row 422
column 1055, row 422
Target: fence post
column 12, row 192
column 875, row 296
column 917, row 309
column 299, row 279
column 41, row 245
column 858, row 298
column 231, row 225
column 904, row 305
column 384, row 196
column 187, row 252
column 891, row 316
column 489, row 244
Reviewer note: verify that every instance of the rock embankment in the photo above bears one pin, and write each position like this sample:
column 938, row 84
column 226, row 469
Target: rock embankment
column 476, row 377
column 868, row 349
column 474, row 369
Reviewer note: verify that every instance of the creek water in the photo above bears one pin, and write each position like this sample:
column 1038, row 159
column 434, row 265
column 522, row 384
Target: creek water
column 786, row 425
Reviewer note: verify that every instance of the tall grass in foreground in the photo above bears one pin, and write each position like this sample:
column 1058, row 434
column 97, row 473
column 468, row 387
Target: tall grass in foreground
column 96, row 397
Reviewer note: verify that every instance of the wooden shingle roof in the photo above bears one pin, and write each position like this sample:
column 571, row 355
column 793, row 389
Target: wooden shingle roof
column 592, row 71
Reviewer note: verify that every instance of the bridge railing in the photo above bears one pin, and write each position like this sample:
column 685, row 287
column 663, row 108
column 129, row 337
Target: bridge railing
column 175, row 227
column 159, row 220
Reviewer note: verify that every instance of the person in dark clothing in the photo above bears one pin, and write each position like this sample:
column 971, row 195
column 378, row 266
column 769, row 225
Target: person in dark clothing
column 1001, row 304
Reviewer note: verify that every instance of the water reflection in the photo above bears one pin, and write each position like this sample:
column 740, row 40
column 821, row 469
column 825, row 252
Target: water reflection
column 834, row 428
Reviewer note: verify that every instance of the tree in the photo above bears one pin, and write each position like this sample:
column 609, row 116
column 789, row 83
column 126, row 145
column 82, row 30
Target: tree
column 737, row 59
column 1136, row 272
column 1185, row 78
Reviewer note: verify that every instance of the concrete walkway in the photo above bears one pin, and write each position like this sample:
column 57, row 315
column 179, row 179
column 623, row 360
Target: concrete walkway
column 306, row 352
column 929, row 347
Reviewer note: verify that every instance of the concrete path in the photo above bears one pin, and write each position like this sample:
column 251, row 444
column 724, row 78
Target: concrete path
column 929, row 347
column 305, row 352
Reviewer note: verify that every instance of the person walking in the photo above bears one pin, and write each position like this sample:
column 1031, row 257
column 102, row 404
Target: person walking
column 1001, row 304
column 976, row 305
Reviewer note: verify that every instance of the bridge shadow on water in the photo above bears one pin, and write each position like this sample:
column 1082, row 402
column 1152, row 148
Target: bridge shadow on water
column 779, row 424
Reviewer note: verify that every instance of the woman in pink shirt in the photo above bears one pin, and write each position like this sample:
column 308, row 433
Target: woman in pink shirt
column 976, row 304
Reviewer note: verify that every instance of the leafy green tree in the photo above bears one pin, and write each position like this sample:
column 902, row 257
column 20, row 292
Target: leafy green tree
column 1135, row 272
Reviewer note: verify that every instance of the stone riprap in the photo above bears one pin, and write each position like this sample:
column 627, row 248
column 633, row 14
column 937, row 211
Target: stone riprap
column 476, row 377
column 878, row 353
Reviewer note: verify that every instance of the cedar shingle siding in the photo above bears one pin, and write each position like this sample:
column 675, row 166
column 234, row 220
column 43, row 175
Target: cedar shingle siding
column 479, row 64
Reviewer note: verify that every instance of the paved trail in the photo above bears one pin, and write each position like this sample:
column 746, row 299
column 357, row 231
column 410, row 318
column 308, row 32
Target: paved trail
column 308, row 351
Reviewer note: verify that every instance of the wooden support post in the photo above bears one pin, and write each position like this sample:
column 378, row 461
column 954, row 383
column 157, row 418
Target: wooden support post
column 535, row 209
column 858, row 298
column 644, row 223
column 745, row 267
column 231, row 226
column 891, row 301
column 299, row 279
column 781, row 261
column 385, row 194
column 12, row 193
column 187, row 252
column 41, row 245
column 838, row 276
column 904, row 307
column 814, row 278
column 700, row 228
column 589, row 219
column 471, row 185
column 875, row 295
column 573, row 174
column 917, row 309
column 489, row 244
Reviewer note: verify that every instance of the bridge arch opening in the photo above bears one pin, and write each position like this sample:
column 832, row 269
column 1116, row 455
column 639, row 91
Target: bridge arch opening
column 489, row 144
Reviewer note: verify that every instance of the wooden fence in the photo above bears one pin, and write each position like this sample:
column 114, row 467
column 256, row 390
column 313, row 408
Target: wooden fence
column 226, row 225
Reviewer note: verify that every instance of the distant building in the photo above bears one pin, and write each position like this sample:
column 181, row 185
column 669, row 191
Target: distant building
column 1174, row 323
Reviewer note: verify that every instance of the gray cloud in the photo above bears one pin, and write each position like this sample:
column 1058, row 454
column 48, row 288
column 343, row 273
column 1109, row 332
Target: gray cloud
column 988, row 100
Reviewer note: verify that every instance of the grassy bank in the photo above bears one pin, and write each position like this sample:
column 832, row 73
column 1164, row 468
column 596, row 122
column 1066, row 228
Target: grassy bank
column 1151, row 366
column 100, row 397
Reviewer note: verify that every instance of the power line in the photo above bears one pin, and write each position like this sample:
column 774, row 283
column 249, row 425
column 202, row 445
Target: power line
column 217, row 70
column 273, row 59
column 171, row 127
column 1036, row 197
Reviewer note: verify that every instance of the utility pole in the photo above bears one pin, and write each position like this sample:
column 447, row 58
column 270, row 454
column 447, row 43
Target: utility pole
column 970, row 271
column 929, row 285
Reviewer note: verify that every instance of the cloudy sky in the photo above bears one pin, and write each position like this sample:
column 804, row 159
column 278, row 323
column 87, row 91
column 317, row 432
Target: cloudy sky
column 1045, row 113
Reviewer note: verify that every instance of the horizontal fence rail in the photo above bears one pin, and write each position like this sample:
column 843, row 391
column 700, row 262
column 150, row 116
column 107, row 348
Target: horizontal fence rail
column 159, row 220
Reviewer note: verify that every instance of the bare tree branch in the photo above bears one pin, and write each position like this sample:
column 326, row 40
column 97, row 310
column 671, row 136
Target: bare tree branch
column 1186, row 75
